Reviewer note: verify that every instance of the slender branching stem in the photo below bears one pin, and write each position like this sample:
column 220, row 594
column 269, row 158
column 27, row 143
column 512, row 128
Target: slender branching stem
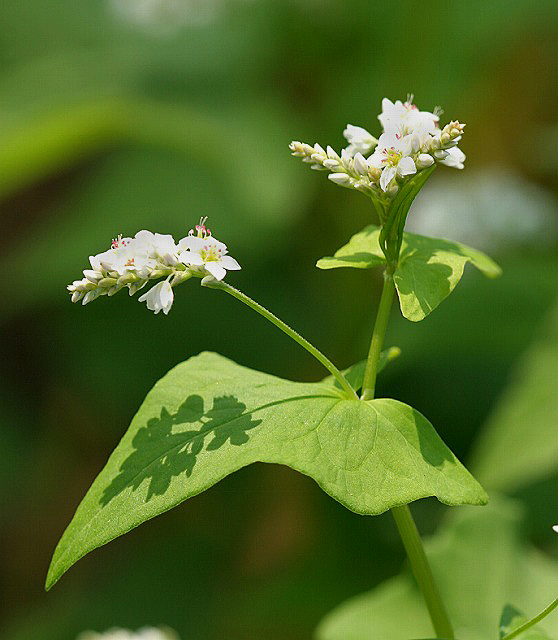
column 533, row 622
column 326, row 362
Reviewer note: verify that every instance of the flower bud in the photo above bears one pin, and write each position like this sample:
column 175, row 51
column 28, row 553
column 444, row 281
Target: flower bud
column 331, row 164
column 158, row 273
column 424, row 160
column 91, row 295
column 92, row 276
column 127, row 278
column 181, row 277
column 340, row 178
column 107, row 282
column 332, row 154
column 374, row 173
column 360, row 164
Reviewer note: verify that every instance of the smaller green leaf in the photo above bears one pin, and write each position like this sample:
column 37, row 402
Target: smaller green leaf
column 355, row 373
column 429, row 270
column 361, row 252
column 512, row 619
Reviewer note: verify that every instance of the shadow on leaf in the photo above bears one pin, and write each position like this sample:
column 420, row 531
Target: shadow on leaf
column 160, row 454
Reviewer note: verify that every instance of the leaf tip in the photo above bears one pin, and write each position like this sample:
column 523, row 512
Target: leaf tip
column 323, row 263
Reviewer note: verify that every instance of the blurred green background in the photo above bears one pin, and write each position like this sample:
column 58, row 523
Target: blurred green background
column 118, row 115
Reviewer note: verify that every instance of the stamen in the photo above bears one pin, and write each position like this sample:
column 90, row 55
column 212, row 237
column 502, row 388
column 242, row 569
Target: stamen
column 117, row 242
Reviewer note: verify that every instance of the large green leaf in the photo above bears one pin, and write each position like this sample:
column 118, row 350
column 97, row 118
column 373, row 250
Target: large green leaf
column 519, row 445
column 428, row 269
column 209, row 417
column 479, row 562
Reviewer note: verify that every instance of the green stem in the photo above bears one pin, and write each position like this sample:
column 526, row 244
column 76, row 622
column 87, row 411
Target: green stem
column 402, row 515
column 380, row 326
column 532, row 622
column 423, row 573
column 223, row 286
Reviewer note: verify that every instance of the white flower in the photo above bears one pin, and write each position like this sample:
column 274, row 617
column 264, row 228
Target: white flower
column 134, row 262
column 156, row 246
column 159, row 298
column 360, row 140
column 206, row 254
column 453, row 157
column 123, row 257
column 392, row 156
column 405, row 117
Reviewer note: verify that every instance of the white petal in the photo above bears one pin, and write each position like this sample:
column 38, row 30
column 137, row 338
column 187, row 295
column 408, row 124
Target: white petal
column 160, row 297
column 230, row 263
column 389, row 139
column 191, row 242
column 388, row 174
column 454, row 158
column 216, row 270
column 406, row 166
column 376, row 160
column 166, row 295
column 190, row 257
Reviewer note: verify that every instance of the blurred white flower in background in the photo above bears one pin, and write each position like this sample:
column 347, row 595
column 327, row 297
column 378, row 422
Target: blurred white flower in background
column 166, row 16
column 492, row 209
column 147, row 633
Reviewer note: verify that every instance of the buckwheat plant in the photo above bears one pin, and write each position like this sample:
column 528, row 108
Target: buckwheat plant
column 209, row 416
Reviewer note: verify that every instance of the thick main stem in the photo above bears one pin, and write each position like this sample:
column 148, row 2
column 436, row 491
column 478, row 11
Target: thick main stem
column 326, row 362
column 422, row 571
column 380, row 326
column 402, row 515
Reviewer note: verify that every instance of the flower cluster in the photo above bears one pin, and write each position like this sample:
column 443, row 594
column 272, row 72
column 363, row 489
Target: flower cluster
column 411, row 140
column 133, row 262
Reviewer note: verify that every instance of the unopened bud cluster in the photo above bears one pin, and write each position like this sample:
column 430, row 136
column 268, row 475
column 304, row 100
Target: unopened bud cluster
column 133, row 262
column 411, row 141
